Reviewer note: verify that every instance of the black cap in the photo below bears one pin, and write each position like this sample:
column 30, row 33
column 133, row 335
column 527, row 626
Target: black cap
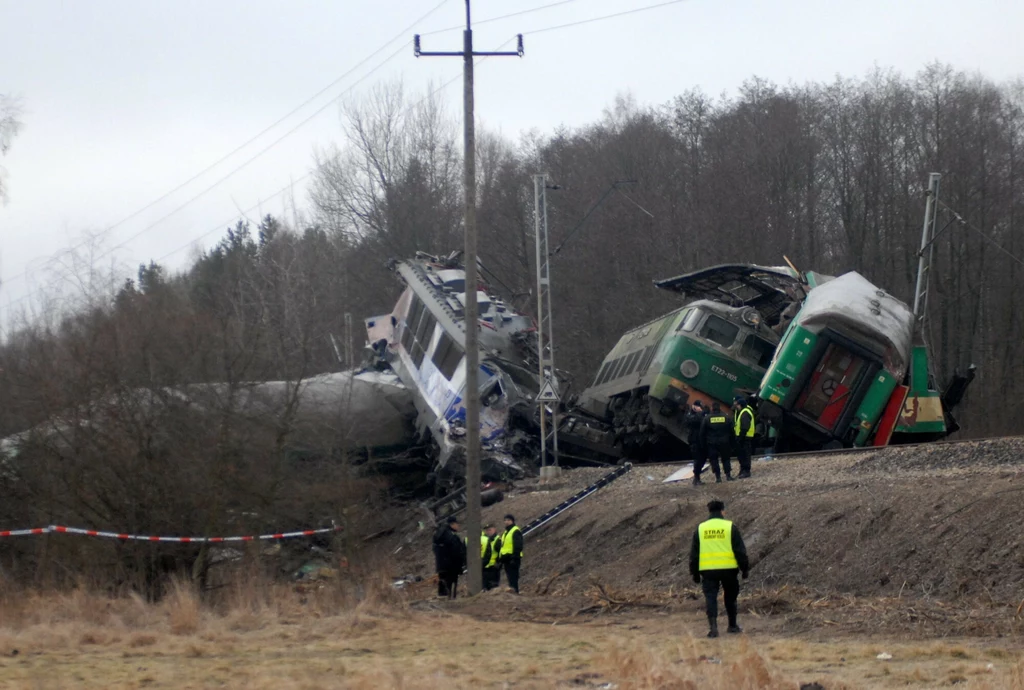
column 452, row 519
column 511, row 517
column 715, row 506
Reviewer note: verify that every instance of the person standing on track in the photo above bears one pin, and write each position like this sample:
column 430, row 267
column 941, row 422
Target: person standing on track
column 449, row 557
column 744, row 429
column 511, row 554
column 716, row 432
column 717, row 556
column 694, row 420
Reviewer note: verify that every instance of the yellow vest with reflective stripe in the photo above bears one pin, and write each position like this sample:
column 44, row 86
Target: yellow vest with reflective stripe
column 493, row 560
column 507, row 542
column 716, row 545
column 750, row 431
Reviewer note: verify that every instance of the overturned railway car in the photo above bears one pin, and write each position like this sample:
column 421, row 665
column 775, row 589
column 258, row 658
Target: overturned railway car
column 848, row 373
column 423, row 341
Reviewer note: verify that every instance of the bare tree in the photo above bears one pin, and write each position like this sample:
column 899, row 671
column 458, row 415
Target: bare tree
column 10, row 124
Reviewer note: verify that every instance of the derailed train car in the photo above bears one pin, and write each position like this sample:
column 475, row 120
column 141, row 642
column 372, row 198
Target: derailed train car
column 718, row 344
column 848, row 373
column 423, row 341
column 829, row 362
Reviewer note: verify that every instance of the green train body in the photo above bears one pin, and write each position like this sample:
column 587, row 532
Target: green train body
column 705, row 351
column 847, row 373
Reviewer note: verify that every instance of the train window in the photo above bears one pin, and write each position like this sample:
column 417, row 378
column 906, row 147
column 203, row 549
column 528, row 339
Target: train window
column 757, row 350
column 417, row 355
column 599, row 379
column 447, row 356
column 718, row 330
column 407, row 337
column 415, row 310
column 451, row 361
column 425, row 329
column 690, row 320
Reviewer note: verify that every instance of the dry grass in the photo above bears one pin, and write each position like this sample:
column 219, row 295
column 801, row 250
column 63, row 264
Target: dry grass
column 263, row 635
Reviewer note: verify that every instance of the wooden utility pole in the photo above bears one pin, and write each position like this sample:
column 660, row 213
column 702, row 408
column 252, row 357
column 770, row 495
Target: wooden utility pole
column 471, row 398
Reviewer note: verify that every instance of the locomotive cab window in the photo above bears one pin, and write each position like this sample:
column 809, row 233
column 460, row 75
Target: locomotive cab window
column 719, row 331
column 757, row 350
column 690, row 319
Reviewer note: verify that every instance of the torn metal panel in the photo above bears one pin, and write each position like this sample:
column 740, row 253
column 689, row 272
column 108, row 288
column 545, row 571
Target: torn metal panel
column 768, row 289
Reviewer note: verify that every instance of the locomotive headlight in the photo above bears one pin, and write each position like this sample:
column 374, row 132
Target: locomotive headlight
column 689, row 368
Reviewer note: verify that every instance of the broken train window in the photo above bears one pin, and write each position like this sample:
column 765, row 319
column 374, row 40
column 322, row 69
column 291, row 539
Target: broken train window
column 447, row 356
column 718, row 330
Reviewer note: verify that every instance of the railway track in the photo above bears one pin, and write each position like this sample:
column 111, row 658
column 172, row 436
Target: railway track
column 844, row 451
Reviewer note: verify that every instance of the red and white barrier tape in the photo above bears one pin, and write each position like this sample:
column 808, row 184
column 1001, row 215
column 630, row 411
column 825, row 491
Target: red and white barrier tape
column 61, row 529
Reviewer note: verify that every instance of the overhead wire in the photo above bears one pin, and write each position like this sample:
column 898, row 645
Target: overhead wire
column 220, row 226
column 259, row 135
column 963, row 223
column 604, row 17
column 328, row 104
column 479, row 22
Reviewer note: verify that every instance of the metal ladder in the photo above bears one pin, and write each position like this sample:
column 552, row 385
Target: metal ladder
column 572, row 501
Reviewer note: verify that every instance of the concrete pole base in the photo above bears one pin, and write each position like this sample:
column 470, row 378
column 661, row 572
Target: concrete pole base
column 550, row 472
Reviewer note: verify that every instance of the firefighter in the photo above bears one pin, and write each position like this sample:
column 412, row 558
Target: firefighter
column 717, row 556
column 715, row 436
column 694, row 420
column 490, row 545
column 449, row 557
column 511, row 554
column 743, row 430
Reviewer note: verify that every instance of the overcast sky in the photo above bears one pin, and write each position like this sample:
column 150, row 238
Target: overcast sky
column 124, row 100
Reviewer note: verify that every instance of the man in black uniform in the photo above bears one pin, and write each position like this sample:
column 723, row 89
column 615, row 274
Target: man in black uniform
column 449, row 557
column 694, row 420
column 716, row 431
column 717, row 555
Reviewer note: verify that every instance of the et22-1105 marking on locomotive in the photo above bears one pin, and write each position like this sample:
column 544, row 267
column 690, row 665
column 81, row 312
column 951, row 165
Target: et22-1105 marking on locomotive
column 722, row 372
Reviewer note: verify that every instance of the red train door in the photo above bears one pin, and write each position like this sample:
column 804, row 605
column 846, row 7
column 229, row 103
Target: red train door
column 827, row 394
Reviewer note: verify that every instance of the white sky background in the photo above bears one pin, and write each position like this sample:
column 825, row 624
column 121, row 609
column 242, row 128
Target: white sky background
column 126, row 99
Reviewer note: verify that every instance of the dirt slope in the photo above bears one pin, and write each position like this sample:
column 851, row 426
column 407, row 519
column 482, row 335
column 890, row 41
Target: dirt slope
column 943, row 521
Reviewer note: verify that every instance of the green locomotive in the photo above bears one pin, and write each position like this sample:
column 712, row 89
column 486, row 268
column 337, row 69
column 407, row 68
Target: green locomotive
column 713, row 348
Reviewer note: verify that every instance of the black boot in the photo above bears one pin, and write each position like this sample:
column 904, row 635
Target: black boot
column 734, row 629
column 728, row 477
column 718, row 479
column 697, row 481
column 713, row 627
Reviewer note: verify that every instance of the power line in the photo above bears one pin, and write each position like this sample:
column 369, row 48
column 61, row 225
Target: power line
column 460, row 27
column 255, row 138
column 969, row 226
column 291, row 184
column 607, row 16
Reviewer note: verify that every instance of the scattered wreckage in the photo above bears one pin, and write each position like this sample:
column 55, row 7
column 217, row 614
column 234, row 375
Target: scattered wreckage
column 829, row 361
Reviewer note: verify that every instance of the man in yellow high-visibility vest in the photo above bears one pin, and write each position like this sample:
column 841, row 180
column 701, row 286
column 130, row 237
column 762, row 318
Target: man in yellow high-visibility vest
column 744, row 428
column 717, row 556
column 490, row 546
column 511, row 553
